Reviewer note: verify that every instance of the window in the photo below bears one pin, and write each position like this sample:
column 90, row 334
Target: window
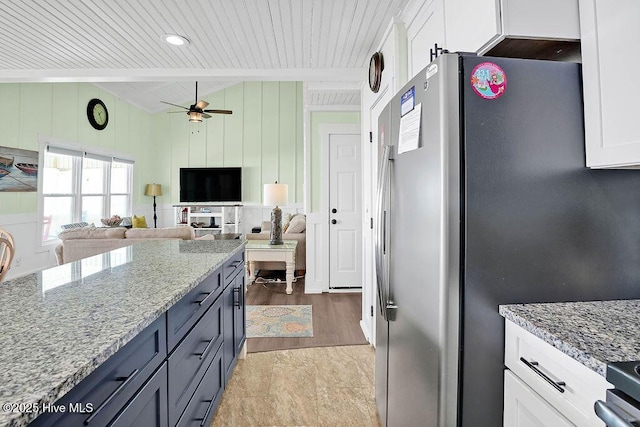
column 83, row 186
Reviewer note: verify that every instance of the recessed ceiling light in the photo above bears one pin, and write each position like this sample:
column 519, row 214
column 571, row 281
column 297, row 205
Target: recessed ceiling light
column 176, row 40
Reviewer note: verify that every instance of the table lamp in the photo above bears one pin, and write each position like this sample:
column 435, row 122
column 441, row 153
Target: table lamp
column 153, row 190
column 274, row 195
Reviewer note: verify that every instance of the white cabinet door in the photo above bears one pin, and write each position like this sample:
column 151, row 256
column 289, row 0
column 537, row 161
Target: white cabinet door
column 425, row 29
column 610, row 36
column 523, row 407
column 471, row 24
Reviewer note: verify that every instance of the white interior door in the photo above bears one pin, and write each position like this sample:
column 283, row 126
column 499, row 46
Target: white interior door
column 345, row 211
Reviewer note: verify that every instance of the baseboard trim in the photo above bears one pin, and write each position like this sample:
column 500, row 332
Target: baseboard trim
column 365, row 331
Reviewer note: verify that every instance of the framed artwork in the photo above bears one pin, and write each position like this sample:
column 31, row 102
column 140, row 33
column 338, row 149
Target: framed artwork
column 18, row 169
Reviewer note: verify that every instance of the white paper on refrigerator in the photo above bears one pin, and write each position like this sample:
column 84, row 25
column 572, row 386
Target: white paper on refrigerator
column 410, row 130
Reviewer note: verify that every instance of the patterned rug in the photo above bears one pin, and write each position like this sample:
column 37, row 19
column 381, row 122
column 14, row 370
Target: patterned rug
column 279, row 321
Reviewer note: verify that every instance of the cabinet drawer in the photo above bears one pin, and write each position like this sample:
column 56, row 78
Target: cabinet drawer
column 110, row 386
column 149, row 406
column 525, row 353
column 186, row 312
column 232, row 266
column 191, row 358
column 524, row 407
column 205, row 400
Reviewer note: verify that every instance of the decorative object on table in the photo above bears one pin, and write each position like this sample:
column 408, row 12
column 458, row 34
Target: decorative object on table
column 279, row 321
column 153, row 190
column 139, row 222
column 18, row 169
column 114, row 221
column 274, row 195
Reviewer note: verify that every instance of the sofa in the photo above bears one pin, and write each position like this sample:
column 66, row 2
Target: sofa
column 88, row 241
column 301, row 248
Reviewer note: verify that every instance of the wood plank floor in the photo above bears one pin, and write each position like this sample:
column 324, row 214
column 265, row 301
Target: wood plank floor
column 336, row 317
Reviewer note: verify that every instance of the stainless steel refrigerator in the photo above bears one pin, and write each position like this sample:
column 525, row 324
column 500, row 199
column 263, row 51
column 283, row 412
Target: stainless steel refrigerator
column 490, row 204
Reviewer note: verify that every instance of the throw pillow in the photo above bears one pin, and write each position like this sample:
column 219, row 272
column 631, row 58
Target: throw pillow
column 139, row 222
column 298, row 224
column 286, row 220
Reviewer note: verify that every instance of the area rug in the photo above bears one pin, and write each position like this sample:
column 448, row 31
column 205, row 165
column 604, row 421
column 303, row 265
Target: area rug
column 279, row 321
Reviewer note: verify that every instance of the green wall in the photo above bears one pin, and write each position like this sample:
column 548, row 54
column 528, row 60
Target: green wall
column 319, row 118
column 59, row 110
column 263, row 136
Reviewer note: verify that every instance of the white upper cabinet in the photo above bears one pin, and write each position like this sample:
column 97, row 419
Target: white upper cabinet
column 610, row 40
column 425, row 30
column 479, row 25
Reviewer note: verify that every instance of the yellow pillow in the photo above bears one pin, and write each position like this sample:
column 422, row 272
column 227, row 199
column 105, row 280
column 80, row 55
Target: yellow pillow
column 139, row 222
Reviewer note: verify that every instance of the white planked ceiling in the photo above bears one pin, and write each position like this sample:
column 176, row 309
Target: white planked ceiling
column 119, row 44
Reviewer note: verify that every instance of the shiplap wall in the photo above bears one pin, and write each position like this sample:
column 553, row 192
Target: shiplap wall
column 263, row 136
column 59, row 110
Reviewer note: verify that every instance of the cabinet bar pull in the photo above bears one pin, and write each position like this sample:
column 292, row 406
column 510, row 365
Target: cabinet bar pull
column 236, row 297
column 206, row 414
column 206, row 349
column 125, row 382
column 555, row 384
column 205, row 299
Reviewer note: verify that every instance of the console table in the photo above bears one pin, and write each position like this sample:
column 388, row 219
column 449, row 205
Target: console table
column 261, row 250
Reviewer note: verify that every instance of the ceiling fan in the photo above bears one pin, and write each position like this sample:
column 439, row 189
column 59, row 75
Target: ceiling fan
column 196, row 111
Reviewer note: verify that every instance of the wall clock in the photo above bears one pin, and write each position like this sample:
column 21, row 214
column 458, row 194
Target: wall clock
column 97, row 114
column 376, row 65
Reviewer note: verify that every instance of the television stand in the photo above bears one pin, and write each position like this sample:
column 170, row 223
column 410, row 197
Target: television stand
column 215, row 218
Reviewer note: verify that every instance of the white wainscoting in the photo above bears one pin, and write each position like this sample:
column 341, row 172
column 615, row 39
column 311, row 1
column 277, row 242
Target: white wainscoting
column 316, row 281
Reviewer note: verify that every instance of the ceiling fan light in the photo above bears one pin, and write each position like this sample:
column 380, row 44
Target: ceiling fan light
column 196, row 117
column 176, row 40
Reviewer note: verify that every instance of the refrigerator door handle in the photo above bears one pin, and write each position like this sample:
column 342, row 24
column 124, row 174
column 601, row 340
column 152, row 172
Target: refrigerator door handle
column 380, row 234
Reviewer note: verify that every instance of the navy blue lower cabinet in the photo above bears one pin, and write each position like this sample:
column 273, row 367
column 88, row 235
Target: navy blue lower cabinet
column 205, row 400
column 240, row 314
column 186, row 312
column 191, row 358
column 112, row 384
column 234, row 322
column 148, row 408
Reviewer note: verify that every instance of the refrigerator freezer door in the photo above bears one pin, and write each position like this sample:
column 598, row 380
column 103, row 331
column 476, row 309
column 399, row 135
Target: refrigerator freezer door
column 419, row 259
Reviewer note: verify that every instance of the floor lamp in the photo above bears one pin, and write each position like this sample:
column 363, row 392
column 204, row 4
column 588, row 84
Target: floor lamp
column 274, row 195
column 153, row 190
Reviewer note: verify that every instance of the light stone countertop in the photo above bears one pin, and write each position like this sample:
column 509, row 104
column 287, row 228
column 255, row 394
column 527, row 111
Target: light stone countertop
column 594, row 333
column 60, row 324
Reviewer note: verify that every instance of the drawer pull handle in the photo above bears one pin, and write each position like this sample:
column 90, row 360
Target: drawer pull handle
column 206, row 349
column 206, row 414
column 125, row 382
column 611, row 418
column 236, row 297
column 202, row 301
column 555, row 384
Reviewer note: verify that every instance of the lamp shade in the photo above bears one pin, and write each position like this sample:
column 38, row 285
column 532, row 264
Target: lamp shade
column 153, row 190
column 276, row 194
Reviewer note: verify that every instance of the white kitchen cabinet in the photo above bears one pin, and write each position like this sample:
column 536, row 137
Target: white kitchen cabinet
column 565, row 384
column 425, row 30
column 523, row 407
column 479, row 25
column 610, row 36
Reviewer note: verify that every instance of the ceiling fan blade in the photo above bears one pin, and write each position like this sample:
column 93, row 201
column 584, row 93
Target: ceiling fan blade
column 181, row 112
column 201, row 105
column 175, row 105
column 206, row 116
column 219, row 111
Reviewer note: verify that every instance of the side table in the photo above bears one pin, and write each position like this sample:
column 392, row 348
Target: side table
column 261, row 250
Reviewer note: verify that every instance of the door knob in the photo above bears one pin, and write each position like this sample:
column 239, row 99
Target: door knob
column 333, row 221
column 334, row 210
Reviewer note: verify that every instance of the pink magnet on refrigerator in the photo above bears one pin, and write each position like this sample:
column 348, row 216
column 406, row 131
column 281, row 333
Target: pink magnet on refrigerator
column 488, row 80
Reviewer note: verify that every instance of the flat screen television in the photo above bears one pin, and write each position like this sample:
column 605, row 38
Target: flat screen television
column 210, row 185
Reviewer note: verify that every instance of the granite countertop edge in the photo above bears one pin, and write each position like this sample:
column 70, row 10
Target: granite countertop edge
column 23, row 419
column 585, row 358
